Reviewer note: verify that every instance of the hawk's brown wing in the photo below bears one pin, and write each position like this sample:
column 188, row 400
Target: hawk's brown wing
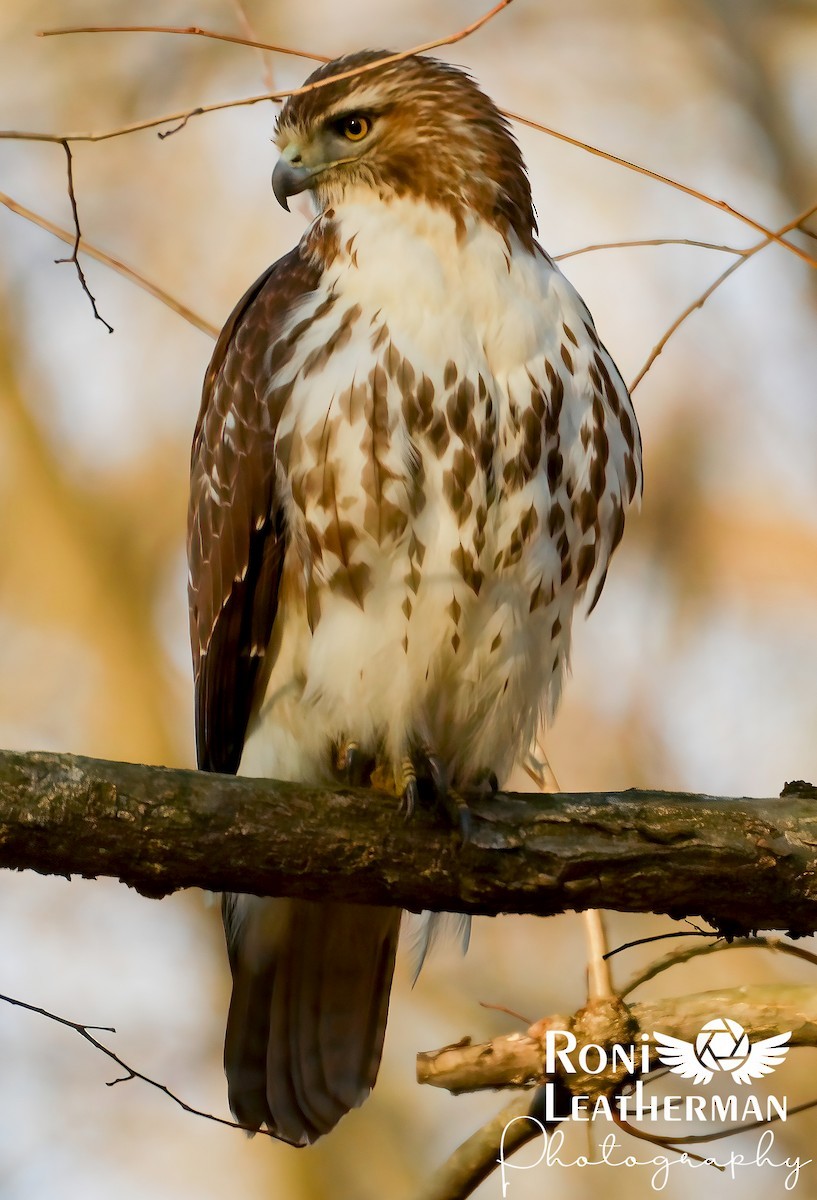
column 236, row 535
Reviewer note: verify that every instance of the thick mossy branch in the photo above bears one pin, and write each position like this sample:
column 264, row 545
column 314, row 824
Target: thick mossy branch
column 741, row 864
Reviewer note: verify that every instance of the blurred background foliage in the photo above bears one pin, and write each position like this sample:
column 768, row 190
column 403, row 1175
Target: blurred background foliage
column 697, row 671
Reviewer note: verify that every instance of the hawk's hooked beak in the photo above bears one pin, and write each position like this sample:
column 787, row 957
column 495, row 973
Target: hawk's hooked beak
column 291, row 175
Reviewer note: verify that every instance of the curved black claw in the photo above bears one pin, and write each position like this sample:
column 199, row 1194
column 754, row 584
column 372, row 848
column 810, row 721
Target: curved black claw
column 460, row 815
column 423, row 777
column 409, row 798
column 408, row 787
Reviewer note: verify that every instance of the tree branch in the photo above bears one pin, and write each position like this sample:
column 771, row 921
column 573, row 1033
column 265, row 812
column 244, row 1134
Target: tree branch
column 713, row 287
column 115, row 264
column 741, row 864
column 187, row 31
column 74, row 255
column 516, row 1060
column 84, row 1032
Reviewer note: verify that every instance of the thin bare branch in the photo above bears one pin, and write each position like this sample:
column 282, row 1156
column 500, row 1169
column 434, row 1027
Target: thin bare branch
column 74, row 255
column 644, row 1136
column 665, row 179
column 187, row 31
column 509, row 1012
column 181, row 118
column 449, row 40
column 114, row 263
column 677, row 957
column 713, row 287
column 697, row 1139
column 84, row 1031
column 184, row 115
column 661, row 937
column 647, row 242
column 476, row 1159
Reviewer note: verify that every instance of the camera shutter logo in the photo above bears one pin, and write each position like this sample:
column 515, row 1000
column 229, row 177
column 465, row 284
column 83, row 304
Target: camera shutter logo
column 722, row 1045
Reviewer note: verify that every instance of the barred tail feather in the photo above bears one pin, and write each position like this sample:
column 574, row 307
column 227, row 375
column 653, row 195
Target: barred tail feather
column 311, row 985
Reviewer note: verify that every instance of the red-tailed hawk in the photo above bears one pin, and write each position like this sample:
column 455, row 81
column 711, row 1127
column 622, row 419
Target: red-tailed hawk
column 413, row 458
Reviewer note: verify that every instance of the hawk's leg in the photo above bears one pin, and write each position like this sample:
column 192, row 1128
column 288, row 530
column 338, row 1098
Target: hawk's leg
column 421, row 775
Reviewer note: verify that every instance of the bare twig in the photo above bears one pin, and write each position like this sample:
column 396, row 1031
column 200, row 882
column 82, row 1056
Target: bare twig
column 74, row 255
column 183, row 115
column 646, row 242
column 449, row 40
column 665, row 179
column 644, row 1136
column 180, row 119
column 188, row 31
column 696, row 1139
column 84, row 1031
column 509, row 1012
column 476, row 1159
column 713, row 287
column 677, row 957
column 662, row 937
column 114, row 263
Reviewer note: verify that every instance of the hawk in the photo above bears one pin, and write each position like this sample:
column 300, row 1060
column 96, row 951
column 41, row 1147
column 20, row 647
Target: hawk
column 413, row 458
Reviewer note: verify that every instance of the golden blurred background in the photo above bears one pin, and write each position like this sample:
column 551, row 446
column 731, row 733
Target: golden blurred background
column 697, row 671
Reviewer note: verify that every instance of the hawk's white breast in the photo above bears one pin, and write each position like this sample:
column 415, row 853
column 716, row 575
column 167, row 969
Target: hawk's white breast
column 457, row 452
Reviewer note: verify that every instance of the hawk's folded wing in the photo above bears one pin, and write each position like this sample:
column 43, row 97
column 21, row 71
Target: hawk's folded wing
column 236, row 534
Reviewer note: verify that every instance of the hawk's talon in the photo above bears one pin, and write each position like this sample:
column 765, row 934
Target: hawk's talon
column 460, row 815
column 409, row 799
column 408, row 787
column 436, row 770
column 422, row 774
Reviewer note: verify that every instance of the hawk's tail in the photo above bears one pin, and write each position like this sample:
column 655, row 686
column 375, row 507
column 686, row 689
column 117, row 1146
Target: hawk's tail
column 311, row 985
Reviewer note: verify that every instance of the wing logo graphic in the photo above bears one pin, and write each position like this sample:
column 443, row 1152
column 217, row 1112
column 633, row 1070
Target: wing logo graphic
column 722, row 1045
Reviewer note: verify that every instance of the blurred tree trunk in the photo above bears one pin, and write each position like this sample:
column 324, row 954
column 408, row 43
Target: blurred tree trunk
column 67, row 567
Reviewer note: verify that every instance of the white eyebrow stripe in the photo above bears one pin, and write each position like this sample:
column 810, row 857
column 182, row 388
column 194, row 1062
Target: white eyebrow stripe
column 364, row 98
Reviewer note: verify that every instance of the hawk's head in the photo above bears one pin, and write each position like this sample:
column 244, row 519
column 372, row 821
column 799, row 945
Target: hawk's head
column 416, row 127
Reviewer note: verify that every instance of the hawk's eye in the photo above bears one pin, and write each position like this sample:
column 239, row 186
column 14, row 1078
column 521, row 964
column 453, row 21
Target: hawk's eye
column 354, row 128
